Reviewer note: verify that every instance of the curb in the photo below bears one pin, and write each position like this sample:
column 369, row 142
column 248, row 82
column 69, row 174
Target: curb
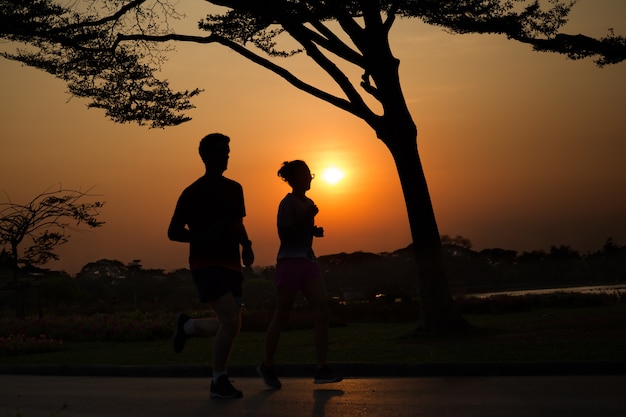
column 354, row 370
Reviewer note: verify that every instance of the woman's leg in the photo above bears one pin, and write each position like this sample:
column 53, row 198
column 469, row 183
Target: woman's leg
column 315, row 293
column 284, row 301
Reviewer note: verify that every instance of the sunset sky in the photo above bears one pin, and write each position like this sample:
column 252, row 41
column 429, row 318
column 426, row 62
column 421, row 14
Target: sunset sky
column 522, row 150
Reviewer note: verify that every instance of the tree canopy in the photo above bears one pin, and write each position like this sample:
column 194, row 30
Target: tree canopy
column 110, row 51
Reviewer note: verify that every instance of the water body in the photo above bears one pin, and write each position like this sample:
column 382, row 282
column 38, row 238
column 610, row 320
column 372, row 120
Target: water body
column 592, row 289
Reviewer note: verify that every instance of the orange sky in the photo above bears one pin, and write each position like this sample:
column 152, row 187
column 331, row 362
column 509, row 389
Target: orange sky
column 521, row 150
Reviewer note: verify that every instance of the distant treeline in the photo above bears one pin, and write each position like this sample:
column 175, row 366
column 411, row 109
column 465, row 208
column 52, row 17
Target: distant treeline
column 471, row 271
column 110, row 285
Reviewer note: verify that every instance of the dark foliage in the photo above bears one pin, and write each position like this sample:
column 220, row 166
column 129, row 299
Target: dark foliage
column 361, row 286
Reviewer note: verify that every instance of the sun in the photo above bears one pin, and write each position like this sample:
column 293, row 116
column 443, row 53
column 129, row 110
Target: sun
column 332, row 175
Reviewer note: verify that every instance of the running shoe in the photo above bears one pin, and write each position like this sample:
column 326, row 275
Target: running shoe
column 269, row 376
column 224, row 389
column 325, row 375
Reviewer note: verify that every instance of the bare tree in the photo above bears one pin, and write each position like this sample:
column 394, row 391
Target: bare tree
column 110, row 50
column 43, row 224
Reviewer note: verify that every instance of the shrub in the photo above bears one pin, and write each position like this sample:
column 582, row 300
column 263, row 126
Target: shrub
column 21, row 344
column 129, row 327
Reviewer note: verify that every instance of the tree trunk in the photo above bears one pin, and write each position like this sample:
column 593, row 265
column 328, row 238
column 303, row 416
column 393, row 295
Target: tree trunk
column 20, row 312
column 437, row 309
column 398, row 132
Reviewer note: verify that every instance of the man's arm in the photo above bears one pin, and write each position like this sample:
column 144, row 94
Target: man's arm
column 247, row 255
column 178, row 232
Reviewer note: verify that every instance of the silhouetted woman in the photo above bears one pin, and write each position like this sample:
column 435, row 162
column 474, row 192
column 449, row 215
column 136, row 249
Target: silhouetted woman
column 297, row 270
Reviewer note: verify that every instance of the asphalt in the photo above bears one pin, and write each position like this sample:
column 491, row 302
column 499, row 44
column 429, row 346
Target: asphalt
column 444, row 390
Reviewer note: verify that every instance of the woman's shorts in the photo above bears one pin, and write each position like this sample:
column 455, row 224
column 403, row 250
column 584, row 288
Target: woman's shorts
column 214, row 281
column 293, row 273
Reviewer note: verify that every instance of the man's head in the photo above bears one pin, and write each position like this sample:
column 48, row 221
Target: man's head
column 214, row 152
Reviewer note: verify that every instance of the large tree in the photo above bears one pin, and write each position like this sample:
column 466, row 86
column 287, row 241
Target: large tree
column 109, row 51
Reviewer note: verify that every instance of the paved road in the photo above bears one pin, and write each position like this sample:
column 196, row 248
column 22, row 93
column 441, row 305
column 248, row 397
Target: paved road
column 483, row 396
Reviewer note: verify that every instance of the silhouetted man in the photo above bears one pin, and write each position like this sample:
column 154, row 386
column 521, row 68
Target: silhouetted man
column 209, row 216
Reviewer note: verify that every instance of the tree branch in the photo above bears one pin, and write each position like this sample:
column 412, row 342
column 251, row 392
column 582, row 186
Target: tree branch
column 246, row 53
column 611, row 49
column 332, row 43
column 299, row 33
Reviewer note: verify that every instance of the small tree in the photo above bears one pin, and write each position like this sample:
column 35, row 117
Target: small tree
column 43, row 224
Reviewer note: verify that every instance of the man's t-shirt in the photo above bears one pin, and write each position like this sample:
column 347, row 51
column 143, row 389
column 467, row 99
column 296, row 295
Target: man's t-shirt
column 214, row 206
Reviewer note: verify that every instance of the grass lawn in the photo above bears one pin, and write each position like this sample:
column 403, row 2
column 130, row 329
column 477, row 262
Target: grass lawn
column 576, row 334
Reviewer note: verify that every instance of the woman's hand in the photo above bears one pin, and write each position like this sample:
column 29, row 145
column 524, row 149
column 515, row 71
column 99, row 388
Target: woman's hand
column 311, row 211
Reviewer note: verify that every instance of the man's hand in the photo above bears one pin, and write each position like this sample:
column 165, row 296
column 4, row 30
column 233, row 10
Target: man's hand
column 247, row 255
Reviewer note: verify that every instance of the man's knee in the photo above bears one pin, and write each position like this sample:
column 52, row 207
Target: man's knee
column 232, row 320
column 228, row 312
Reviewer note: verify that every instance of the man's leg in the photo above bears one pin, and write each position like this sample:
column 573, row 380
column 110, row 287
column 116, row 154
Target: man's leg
column 205, row 327
column 228, row 326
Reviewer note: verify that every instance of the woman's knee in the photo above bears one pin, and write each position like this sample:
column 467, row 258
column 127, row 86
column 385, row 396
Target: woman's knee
column 320, row 312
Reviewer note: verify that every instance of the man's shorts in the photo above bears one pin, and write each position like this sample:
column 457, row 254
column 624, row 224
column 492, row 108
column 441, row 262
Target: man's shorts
column 214, row 281
column 293, row 273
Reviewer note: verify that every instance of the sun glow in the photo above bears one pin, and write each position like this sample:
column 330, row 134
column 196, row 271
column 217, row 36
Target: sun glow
column 332, row 175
